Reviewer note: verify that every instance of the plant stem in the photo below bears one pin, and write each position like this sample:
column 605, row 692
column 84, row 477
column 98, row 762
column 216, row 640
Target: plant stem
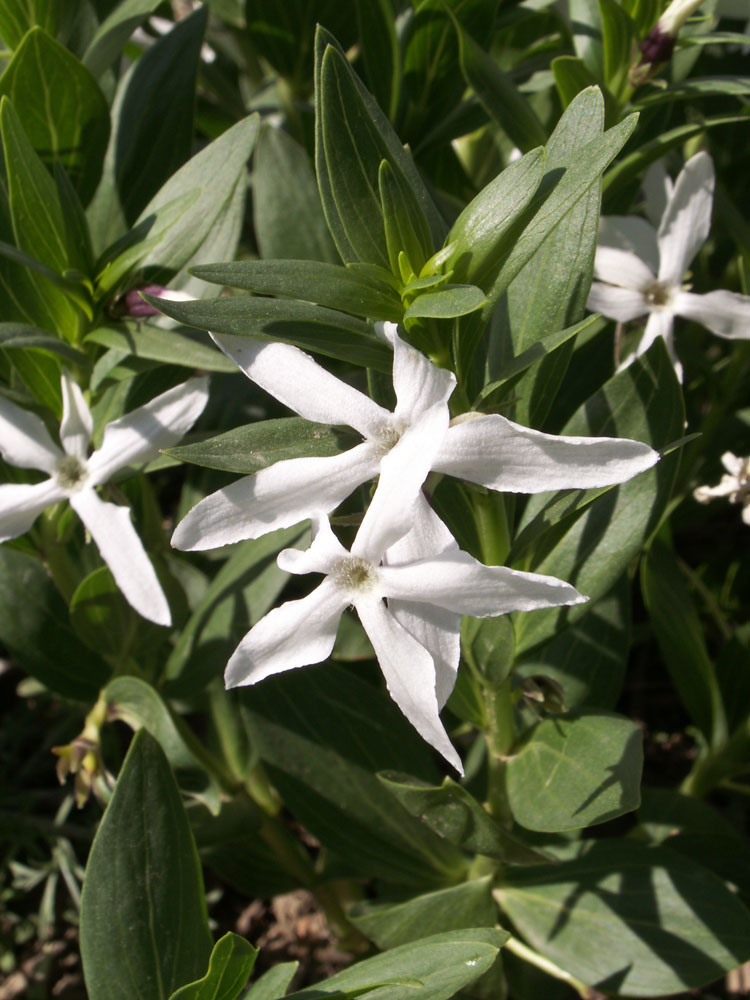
column 534, row 958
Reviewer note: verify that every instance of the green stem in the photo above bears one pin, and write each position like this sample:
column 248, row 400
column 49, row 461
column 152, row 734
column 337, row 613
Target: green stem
column 534, row 958
column 501, row 735
column 492, row 527
column 716, row 766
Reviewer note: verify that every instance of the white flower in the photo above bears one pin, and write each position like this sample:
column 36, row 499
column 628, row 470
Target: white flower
column 416, row 635
column 73, row 475
column 483, row 448
column 640, row 269
column 735, row 484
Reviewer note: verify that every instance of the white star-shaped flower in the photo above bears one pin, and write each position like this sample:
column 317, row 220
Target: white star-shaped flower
column 73, row 475
column 640, row 269
column 483, row 448
column 734, row 484
column 416, row 634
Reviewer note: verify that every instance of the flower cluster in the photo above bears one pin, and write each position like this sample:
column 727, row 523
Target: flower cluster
column 73, row 474
column 405, row 574
column 734, row 484
column 639, row 269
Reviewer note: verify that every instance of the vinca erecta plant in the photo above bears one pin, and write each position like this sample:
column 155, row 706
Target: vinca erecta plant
column 347, row 562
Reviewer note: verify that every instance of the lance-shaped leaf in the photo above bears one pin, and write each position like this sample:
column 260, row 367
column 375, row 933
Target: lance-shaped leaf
column 255, row 446
column 351, row 290
column 144, row 927
column 287, row 212
column 502, row 101
column 406, row 229
column 19, row 16
column 313, row 328
column 63, row 110
column 114, row 31
column 274, row 983
column 144, row 340
column 352, row 137
column 434, row 967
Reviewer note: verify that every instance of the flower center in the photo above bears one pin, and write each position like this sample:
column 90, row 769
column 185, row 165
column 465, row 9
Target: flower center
column 388, row 436
column 356, row 575
column 71, row 473
column 657, row 294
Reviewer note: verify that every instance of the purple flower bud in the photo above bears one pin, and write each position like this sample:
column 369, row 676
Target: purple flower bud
column 138, row 307
column 657, row 47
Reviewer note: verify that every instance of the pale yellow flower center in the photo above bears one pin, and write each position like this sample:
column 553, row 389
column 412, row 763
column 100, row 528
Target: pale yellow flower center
column 71, row 473
column 658, row 294
column 356, row 575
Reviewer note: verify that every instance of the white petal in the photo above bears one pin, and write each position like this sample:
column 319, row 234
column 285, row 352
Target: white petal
column 502, row 455
column 460, row 583
column 402, row 472
column 630, row 232
column 300, row 383
column 660, row 323
column 621, row 268
column 686, row 222
column 725, row 488
column 25, row 441
column 657, row 188
column 434, row 628
column 326, row 550
column 294, row 635
column 732, row 463
column 622, row 304
column 122, row 550
column 746, row 513
column 419, row 384
column 727, row 314
column 138, row 436
column 21, row 504
column 77, row 422
column 277, row 497
column 409, row 675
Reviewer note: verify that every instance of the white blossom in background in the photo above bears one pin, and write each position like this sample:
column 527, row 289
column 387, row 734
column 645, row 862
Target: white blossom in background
column 73, row 474
column 734, row 484
column 483, row 448
column 432, row 592
column 639, row 270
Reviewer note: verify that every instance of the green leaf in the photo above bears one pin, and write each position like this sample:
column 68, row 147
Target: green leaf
column 34, row 626
column 325, row 284
column 320, row 733
column 274, row 983
column 249, row 580
column 105, row 621
column 450, row 301
column 143, row 340
column 587, row 35
column 40, row 374
column 502, row 101
column 479, row 236
column 18, row 16
column 588, row 658
column 619, row 42
column 434, row 967
column 114, row 31
column 698, row 87
column 211, row 176
column 550, row 291
column 454, row 814
column 628, row 919
column 35, row 207
column 153, row 111
column 406, row 229
column 679, row 632
column 592, row 544
column 287, row 211
column 229, row 968
column 64, row 112
column 313, row 328
column 571, row 77
column 144, row 927
column 575, row 770
column 15, row 336
column 380, row 52
column 487, row 645
column 254, row 446
column 391, row 924
column 353, row 136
